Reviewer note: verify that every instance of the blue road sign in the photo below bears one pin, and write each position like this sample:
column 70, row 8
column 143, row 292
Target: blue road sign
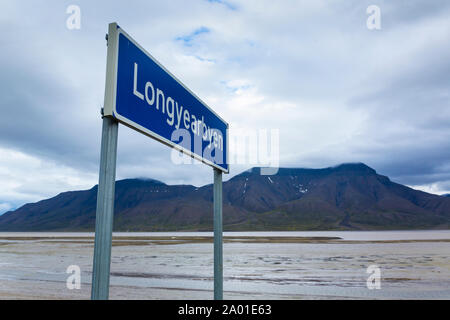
column 143, row 95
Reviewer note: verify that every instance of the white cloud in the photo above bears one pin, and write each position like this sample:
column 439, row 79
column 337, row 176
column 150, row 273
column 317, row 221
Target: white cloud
column 5, row 207
column 435, row 188
column 29, row 178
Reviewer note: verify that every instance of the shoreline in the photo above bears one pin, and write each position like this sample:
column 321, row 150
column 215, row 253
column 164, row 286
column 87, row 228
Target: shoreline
column 122, row 240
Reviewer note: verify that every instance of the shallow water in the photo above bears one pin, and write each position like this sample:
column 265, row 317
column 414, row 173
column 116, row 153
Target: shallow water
column 345, row 235
column 324, row 270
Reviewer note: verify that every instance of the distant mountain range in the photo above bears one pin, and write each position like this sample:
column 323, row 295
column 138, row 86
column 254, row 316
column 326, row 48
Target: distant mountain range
column 345, row 197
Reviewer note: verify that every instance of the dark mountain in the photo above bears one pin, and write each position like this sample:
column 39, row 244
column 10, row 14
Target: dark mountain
column 347, row 197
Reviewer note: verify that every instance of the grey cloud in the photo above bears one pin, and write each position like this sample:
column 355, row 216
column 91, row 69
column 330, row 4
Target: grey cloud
column 312, row 64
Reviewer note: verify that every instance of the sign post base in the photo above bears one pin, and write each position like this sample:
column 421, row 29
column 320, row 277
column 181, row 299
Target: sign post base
column 105, row 210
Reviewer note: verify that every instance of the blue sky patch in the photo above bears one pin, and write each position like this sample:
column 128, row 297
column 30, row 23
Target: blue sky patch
column 225, row 3
column 187, row 39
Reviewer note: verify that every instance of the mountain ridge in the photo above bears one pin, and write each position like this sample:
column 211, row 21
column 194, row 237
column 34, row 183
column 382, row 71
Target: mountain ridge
column 350, row 196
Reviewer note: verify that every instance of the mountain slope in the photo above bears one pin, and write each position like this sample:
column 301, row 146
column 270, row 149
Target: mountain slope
column 349, row 196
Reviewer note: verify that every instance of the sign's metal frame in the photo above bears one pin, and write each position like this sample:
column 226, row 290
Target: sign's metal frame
column 107, row 176
column 111, row 95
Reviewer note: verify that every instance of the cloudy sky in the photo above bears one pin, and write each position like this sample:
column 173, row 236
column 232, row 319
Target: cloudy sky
column 336, row 90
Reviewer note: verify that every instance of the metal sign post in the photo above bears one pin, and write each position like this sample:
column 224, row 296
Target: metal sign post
column 141, row 94
column 105, row 211
column 218, row 253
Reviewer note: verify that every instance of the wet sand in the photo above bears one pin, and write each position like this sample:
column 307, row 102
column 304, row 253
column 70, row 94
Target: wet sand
column 154, row 266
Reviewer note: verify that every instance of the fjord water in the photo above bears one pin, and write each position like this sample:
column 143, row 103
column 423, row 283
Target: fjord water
column 413, row 265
